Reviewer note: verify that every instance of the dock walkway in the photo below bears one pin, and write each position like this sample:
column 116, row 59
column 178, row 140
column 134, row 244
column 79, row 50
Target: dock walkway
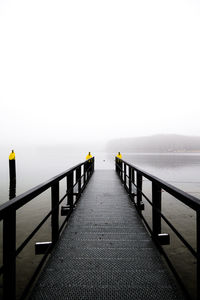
column 105, row 251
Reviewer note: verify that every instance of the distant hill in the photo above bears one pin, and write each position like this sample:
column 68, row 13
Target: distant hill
column 156, row 143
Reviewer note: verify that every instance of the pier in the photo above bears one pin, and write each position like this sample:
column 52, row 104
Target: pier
column 105, row 249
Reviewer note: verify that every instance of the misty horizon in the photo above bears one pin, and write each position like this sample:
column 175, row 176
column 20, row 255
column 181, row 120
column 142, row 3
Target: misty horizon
column 144, row 144
column 98, row 71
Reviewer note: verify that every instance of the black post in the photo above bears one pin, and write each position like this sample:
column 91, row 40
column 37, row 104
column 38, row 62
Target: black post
column 85, row 173
column 117, row 165
column 198, row 252
column 12, row 168
column 78, row 179
column 12, row 189
column 70, row 182
column 9, row 248
column 125, row 175
column 156, row 217
column 139, row 189
column 89, row 169
column 83, row 178
column 55, row 213
column 121, row 173
column 92, row 164
column 130, row 179
column 12, row 175
column 133, row 176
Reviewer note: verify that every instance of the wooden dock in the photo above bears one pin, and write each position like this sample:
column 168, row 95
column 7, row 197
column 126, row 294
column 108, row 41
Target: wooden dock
column 105, row 251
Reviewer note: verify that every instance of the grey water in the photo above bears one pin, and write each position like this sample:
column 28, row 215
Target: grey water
column 35, row 166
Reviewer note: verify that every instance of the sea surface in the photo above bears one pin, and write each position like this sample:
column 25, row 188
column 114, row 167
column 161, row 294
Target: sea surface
column 34, row 166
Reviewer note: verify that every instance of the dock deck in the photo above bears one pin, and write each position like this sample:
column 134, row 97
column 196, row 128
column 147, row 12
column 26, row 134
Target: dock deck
column 105, row 251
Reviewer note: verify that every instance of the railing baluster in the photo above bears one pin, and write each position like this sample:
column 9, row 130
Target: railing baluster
column 89, row 169
column 55, row 213
column 130, row 179
column 121, row 172
column 85, row 173
column 9, row 248
column 133, row 177
column 125, row 175
column 70, row 180
column 139, row 189
column 78, row 176
column 93, row 164
column 156, row 217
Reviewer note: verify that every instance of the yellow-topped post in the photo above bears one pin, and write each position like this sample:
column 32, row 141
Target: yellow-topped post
column 119, row 155
column 88, row 164
column 119, row 164
column 88, row 156
column 12, row 155
column 12, row 169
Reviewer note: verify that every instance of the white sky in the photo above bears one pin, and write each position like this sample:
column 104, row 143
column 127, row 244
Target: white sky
column 79, row 70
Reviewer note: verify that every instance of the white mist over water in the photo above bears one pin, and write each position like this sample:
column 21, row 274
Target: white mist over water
column 97, row 70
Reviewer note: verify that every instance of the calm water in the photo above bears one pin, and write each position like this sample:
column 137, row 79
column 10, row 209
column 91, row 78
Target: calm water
column 38, row 165
column 35, row 166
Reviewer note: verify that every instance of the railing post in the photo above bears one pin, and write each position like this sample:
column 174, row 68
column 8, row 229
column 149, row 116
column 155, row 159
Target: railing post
column 125, row 175
column 70, row 183
column 139, row 189
column 133, row 176
column 117, row 166
column 93, row 164
column 130, row 179
column 198, row 252
column 9, row 261
column 78, row 178
column 85, row 172
column 89, row 169
column 121, row 171
column 55, row 211
column 156, row 202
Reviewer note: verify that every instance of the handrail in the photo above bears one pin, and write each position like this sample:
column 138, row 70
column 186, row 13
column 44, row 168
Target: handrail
column 79, row 176
column 27, row 196
column 184, row 197
column 194, row 253
column 134, row 176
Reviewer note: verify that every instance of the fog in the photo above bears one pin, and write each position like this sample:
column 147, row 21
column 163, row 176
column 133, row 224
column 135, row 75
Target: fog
column 90, row 71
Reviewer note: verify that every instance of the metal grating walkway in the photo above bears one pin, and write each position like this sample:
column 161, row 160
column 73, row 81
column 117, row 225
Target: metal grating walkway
column 105, row 251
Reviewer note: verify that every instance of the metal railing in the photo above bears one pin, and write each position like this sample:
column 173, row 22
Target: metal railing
column 76, row 177
column 132, row 178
